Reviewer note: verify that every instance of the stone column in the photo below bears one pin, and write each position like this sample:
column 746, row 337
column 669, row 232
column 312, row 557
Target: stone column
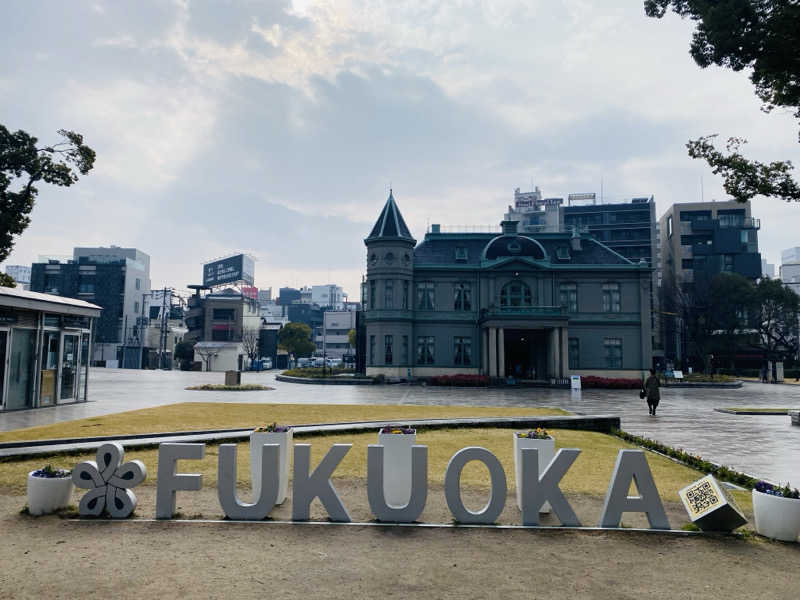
column 485, row 351
column 501, row 351
column 492, row 352
column 552, row 352
column 564, row 352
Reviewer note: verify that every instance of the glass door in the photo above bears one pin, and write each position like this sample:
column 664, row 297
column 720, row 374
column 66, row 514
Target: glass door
column 83, row 373
column 20, row 369
column 49, row 366
column 3, row 355
column 69, row 368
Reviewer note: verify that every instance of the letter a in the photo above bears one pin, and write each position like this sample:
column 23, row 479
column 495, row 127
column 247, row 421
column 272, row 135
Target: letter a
column 632, row 465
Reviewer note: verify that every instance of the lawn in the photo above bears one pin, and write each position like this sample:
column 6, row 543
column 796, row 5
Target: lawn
column 194, row 416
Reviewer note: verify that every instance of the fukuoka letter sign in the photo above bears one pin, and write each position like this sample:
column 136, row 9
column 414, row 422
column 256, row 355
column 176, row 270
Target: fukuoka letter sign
column 538, row 487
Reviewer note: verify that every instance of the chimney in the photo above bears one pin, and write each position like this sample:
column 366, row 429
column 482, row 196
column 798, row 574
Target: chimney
column 509, row 227
column 436, row 228
column 575, row 241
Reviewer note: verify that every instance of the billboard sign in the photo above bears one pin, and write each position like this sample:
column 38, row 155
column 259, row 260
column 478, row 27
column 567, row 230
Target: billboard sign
column 229, row 270
column 581, row 197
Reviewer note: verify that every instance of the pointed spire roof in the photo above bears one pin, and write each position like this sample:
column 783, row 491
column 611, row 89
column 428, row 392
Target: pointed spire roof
column 390, row 224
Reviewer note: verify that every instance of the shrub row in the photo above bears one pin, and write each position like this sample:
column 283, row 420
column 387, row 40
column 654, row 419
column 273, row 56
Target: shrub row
column 460, row 380
column 614, row 383
column 315, row 372
column 721, row 472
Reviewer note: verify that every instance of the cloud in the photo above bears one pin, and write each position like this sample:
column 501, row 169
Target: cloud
column 277, row 127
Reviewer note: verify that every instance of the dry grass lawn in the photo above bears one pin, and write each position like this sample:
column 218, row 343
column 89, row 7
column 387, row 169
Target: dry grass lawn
column 193, row 416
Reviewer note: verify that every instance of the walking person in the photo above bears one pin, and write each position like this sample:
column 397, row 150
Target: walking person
column 651, row 389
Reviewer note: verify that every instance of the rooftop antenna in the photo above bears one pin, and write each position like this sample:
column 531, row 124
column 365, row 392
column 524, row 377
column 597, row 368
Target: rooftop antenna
column 702, row 195
column 601, row 190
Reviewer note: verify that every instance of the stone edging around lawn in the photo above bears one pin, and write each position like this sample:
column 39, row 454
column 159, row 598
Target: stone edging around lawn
column 326, row 380
column 704, row 384
column 25, row 449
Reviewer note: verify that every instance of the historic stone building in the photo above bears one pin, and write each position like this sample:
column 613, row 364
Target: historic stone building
column 538, row 306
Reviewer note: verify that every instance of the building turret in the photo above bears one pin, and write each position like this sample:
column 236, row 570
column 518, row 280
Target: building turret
column 389, row 293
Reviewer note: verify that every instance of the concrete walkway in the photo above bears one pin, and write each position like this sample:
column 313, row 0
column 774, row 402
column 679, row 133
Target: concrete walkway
column 765, row 446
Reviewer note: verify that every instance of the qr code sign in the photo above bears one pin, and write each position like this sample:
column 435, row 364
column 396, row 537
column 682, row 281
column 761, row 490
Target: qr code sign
column 702, row 497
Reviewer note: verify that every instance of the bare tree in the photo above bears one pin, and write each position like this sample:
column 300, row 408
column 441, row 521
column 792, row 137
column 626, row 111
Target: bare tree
column 250, row 342
column 205, row 354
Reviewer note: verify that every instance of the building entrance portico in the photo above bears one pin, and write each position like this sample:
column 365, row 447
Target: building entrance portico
column 534, row 353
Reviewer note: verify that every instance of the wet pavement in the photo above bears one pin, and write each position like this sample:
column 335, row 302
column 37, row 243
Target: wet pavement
column 764, row 446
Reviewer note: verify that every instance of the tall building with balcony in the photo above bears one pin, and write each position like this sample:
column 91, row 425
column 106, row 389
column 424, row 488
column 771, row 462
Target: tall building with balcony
column 699, row 240
column 702, row 239
column 537, row 306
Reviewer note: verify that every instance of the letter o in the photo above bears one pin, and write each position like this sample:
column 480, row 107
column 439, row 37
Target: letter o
column 452, row 486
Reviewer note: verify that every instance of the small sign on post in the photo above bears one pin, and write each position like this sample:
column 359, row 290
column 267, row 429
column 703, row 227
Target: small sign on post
column 575, row 382
column 677, row 374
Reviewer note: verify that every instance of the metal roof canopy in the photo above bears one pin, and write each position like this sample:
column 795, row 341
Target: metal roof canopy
column 23, row 299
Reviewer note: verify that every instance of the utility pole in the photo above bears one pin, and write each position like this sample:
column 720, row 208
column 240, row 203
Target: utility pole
column 162, row 339
column 141, row 331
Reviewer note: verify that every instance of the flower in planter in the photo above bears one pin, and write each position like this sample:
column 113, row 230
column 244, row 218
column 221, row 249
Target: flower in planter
column 109, row 483
column 535, row 434
column 48, row 472
column 400, row 429
column 776, row 490
column 273, row 428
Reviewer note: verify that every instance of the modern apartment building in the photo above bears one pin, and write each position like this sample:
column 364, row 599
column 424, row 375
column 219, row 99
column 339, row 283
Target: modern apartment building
column 702, row 239
column 117, row 279
column 699, row 240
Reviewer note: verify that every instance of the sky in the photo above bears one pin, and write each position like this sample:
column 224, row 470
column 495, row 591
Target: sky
column 277, row 128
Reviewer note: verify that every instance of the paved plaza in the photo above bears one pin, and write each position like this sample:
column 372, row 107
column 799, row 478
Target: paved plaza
column 764, row 446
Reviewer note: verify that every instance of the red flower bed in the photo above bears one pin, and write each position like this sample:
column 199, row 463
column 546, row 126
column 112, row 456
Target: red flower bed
column 460, row 380
column 613, row 383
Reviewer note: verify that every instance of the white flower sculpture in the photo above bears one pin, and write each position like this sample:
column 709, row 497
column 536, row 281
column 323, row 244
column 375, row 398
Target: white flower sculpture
column 109, row 483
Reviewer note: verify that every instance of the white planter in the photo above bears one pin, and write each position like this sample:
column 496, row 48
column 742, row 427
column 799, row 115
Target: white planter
column 397, row 466
column 48, row 494
column 547, row 450
column 259, row 439
column 776, row 517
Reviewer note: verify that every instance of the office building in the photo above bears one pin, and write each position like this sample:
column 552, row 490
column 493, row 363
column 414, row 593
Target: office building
column 333, row 337
column 21, row 275
column 218, row 322
column 116, row 279
column 328, row 296
column 790, row 269
column 767, row 269
column 539, row 306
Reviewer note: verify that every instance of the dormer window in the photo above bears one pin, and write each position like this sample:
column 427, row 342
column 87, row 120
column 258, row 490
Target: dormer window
column 461, row 254
column 562, row 253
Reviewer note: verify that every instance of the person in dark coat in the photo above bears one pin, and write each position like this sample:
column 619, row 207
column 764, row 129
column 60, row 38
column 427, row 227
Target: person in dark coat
column 651, row 389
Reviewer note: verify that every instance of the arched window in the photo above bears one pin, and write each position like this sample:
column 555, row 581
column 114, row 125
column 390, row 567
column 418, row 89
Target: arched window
column 516, row 293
